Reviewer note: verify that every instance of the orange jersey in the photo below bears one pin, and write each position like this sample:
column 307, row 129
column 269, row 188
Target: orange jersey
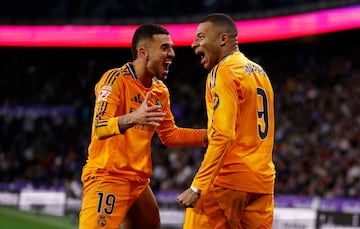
column 120, row 92
column 240, row 109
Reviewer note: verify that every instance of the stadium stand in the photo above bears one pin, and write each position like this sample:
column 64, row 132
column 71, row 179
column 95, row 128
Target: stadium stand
column 47, row 98
column 160, row 11
column 47, row 95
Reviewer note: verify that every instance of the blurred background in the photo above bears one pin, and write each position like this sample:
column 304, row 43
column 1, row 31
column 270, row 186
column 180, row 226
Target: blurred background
column 47, row 97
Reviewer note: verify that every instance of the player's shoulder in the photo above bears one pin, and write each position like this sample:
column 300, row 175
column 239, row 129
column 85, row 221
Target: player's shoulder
column 111, row 75
column 232, row 62
column 159, row 85
column 123, row 70
column 235, row 59
column 239, row 60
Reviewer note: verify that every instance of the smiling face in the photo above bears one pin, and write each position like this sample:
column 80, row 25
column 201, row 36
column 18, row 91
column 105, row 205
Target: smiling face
column 208, row 44
column 160, row 54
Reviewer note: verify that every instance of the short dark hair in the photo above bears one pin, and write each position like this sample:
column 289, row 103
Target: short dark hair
column 145, row 32
column 222, row 21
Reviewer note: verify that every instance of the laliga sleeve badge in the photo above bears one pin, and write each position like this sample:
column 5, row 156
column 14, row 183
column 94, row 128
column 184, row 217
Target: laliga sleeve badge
column 102, row 221
column 104, row 93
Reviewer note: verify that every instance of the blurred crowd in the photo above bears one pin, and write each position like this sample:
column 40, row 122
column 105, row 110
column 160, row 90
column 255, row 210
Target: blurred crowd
column 130, row 11
column 47, row 100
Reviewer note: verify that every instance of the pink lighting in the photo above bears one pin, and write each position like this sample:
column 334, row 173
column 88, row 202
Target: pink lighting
column 258, row 30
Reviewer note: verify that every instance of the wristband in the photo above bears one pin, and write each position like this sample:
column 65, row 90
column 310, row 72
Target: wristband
column 198, row 191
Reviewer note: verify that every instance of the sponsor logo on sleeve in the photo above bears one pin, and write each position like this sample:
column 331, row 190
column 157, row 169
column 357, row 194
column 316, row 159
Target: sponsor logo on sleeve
column 104, row 93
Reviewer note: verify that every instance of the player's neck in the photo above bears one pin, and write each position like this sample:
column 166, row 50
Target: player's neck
column 142, row 74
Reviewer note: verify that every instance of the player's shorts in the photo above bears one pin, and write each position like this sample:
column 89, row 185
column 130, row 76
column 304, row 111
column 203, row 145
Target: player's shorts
column 106, row 200
column 225, row 209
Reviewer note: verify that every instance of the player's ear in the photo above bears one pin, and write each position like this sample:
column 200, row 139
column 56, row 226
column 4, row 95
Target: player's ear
column 142, row 53
column 223, row 39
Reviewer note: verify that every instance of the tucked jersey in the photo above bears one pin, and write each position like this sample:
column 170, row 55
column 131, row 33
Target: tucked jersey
column 120, row 92
column 240, row 109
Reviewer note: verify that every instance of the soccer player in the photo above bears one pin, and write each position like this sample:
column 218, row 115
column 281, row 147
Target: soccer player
column 132, row 103
column 234, row 185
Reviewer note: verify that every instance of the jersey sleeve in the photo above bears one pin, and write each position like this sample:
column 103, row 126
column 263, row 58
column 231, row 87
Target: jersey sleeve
column 172, row 135
column 222, row 112
column 107, row 93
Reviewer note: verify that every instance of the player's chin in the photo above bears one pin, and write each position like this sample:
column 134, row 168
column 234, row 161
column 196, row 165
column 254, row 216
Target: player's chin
column 207, row 66
column 163, row 75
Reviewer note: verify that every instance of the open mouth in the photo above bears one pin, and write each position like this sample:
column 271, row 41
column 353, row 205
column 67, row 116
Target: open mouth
column 202, row 57
column 166, row 66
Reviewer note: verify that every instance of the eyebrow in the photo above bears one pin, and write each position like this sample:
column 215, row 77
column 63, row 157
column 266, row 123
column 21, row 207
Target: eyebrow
column 165, row 45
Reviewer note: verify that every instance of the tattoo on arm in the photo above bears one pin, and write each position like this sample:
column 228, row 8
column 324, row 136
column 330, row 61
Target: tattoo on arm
column 125, row 123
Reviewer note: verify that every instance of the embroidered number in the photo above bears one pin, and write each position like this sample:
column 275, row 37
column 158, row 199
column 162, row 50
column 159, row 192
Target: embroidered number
column 263, row 113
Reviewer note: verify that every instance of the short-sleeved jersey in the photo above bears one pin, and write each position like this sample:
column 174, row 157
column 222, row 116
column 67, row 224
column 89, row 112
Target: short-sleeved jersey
column 240, row 109
column 120, row 92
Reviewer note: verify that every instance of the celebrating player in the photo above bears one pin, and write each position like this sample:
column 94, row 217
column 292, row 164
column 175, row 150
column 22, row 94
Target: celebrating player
column 132, row 103
column 235, row 182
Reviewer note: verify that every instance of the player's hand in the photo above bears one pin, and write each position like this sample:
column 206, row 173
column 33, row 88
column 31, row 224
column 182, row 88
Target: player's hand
column 148, row 115
column 188, row 198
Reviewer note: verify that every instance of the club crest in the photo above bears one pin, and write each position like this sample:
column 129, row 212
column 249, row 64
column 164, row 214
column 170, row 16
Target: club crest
column 102, row 221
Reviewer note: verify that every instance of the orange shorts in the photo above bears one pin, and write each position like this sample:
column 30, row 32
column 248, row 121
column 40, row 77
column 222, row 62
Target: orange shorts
column 225, row 209
column 106, row 200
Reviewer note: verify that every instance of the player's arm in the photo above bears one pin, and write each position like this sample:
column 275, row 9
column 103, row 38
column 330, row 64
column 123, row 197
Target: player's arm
column 172, row 135
column 224, row 103
column 108, row 99
column 108, row 96
column 178, row 136
column 221, row 132
column 107, row 125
